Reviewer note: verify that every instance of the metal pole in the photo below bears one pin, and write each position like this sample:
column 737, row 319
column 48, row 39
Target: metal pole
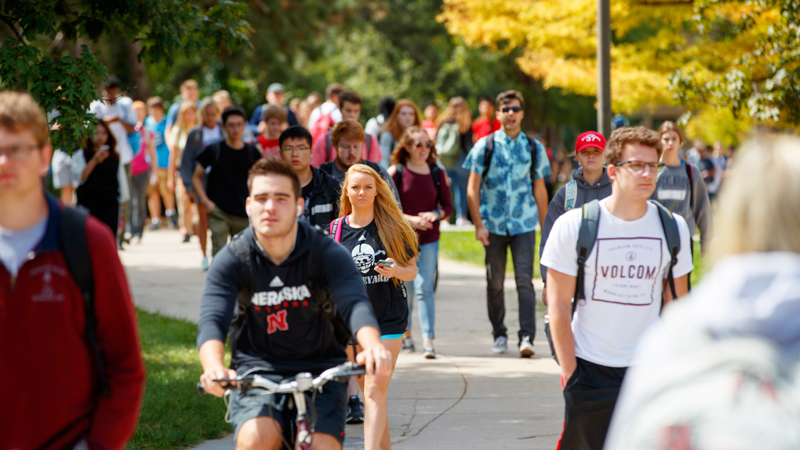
column 604, row 67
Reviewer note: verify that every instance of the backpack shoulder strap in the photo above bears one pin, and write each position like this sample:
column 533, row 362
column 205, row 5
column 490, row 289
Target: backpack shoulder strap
column 487, row 155
column 398, row 175
column 369, row 144
column 436, row 172
column 570, row 195
column 534, row 153
column 75, row 249
column 690, row 174
column 328, row 146
column 587, row 235
column 243, row 254
column 673, row 236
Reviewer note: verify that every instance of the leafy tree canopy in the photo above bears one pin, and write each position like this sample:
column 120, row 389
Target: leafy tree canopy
column 739, row 55
column 60, row 77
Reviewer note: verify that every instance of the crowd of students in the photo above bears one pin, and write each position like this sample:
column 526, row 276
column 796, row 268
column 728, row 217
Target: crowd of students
column 616, row 239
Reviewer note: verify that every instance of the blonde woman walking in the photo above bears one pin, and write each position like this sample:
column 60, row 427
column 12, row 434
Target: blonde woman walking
column 384, row 248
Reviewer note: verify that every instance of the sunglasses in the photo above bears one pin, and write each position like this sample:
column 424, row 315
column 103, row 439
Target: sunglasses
column 508, row 109
column 428, row 144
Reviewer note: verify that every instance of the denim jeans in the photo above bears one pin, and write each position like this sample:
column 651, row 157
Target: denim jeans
column 423, row 287
column 138, row 211
column 459, row 176
column 522, row 248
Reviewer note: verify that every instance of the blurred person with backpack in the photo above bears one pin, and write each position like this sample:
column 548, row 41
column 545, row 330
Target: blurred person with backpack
column 143, row 166
column 207, row 132
column 325, row 151
column 507, row 198
column 721, row 370
column 426, row 202
column 589, row 182
column 187, row 120
column 680, row 187
column 226, row 192
column 611, row 267
column 404, row 115
column 319, row 190
column 348, row 137
column 68, row 321
column 454, row 139
column 326, row 115
column 375, row 124
column 275, row 97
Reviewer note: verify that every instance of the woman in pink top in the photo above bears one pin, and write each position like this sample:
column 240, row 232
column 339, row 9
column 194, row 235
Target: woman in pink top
column 426, row 201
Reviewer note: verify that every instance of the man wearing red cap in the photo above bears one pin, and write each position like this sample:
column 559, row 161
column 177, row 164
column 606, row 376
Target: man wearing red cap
column 589, row 182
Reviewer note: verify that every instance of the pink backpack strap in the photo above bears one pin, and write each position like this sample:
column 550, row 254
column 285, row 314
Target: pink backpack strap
column 336, row 229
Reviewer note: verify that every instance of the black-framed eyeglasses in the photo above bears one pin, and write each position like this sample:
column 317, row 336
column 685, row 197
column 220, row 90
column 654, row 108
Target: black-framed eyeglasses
column 428, row 144
column 18, row 152
column 295, row 149
column 638, row 166
column 508, row 109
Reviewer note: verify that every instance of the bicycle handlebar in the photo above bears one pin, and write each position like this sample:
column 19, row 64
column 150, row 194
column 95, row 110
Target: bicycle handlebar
column 302, row 382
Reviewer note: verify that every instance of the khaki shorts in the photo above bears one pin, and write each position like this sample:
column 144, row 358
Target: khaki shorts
column 160, row 187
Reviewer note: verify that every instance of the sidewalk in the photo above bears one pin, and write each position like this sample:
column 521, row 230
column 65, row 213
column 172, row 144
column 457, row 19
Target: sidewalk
column 467, row 398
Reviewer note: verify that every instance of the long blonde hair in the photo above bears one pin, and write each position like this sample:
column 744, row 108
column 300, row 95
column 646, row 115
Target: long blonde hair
column 181, row 122
column 394, row 230
column 756, row 211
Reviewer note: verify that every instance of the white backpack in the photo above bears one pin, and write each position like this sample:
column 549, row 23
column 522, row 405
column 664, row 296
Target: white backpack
column 731, row 393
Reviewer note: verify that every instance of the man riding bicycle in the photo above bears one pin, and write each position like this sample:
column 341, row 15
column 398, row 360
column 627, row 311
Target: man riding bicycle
column 278, row 274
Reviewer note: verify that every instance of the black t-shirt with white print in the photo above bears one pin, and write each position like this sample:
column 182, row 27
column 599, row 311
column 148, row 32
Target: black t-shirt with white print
column 388, row 298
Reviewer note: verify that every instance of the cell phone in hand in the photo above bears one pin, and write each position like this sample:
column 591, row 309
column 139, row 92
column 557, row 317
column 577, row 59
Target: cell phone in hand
column 385, row 263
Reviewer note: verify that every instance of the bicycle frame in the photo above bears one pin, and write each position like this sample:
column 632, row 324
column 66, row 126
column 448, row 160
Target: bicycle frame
column 302, row 383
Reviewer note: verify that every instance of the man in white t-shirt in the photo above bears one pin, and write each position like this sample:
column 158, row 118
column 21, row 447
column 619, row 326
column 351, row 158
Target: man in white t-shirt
column 329, row 108
column 624, row 285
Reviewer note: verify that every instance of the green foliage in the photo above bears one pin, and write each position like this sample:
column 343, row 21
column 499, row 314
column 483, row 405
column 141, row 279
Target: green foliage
column 64, row 84
column 173, row 414
column 763, row 82
column 35, row 60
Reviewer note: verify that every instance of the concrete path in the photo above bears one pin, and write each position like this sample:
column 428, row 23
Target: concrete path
column 467, row 398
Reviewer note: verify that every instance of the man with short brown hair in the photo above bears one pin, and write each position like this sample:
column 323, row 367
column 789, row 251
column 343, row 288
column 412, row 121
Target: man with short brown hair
column 623, row 289
column 348, row 137
column 325, row 149
column 58, row 389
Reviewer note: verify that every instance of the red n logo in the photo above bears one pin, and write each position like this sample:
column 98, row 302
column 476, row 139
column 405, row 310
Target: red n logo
column 277, row 321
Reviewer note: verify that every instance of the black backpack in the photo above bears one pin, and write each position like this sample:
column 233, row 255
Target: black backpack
column 587, row 235
column 319, row 290
column 75, row 250
column 487, row 155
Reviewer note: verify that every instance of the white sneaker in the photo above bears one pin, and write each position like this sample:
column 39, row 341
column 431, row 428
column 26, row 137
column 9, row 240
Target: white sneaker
column 461, row 221
column 204, row 264
column 500, row 345
column 428, row 351
column 525, row 347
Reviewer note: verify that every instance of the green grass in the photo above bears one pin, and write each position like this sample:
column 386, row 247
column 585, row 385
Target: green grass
column 173, row 414
column 462, row 246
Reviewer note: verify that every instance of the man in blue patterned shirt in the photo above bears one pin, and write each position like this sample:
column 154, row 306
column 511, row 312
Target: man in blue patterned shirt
column 505, row 207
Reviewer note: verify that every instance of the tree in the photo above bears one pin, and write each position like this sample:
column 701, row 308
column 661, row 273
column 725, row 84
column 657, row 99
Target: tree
column 760, row 79
column 46, row 50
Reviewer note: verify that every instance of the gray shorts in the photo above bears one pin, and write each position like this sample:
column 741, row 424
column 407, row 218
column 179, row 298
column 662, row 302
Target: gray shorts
column 327, row 415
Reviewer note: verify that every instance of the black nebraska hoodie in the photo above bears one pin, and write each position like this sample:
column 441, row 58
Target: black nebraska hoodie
column 284, row 331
